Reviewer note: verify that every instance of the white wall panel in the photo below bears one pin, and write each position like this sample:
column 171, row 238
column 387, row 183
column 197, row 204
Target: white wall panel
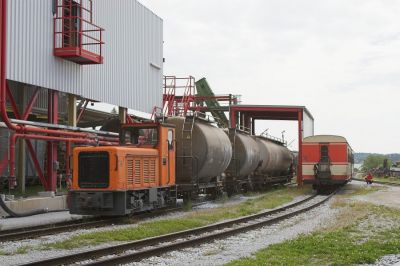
column 30, row 48
column 131, row 75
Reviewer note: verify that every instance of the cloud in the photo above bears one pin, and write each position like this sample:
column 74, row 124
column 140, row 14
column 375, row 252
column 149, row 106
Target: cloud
column 339, row 58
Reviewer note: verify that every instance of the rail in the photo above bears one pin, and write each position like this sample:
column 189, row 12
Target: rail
column 51, row 229
column 152, row 247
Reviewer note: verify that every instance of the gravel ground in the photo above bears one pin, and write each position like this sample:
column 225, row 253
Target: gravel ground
column 388, row 260
column 226, row 250
column 235, row 247
column 388, row 196
column 238, row 246
column 32, row 254
column 65, row 216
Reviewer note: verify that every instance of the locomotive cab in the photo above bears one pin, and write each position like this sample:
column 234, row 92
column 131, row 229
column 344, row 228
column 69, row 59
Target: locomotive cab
column 138, row 175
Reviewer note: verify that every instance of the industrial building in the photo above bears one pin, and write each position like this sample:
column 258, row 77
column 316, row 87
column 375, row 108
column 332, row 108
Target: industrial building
column 57, row 57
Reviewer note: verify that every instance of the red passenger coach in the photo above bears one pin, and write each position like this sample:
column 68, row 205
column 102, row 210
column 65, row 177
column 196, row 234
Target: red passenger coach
column 327, row 161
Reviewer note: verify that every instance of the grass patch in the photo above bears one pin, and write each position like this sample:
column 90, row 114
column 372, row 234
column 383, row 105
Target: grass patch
column 389, row 179
column 269, row 200
column 20, row 250
column 4, row 253
column 364, row 190
column 374, row 233
column 187, row 205
column 23, row 250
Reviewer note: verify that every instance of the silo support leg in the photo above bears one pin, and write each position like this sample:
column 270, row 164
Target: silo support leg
column 21, row 173
column 21, row 165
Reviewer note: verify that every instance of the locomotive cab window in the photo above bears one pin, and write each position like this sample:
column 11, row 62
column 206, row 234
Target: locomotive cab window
column 139, row 136
column 93, row 170
column 170, row 139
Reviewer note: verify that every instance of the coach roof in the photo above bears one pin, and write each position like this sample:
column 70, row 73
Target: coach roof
column 324, row 138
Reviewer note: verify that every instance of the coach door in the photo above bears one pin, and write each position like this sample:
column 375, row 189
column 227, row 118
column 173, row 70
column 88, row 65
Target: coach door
column 324, row 153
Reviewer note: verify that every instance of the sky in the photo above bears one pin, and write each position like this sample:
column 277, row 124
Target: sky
column 339, row 58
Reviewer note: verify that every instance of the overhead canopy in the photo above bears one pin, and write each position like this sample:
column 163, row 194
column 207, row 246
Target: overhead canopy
column 245, row 116
column 272, row 112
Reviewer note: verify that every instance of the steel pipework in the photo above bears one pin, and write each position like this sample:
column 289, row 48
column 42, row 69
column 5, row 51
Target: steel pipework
column 15, row 136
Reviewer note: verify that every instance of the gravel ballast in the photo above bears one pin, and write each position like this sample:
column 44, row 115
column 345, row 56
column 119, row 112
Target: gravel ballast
column 238, row 246
column 30, row 246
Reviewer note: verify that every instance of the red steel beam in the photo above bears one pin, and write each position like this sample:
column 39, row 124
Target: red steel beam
column 12, row 101
column 232, row 117
column 36, row 163
column 67, row 162
column 82, row 111
column 30, row 105
column 129, row 118
column 15, row 136
column 300, row 156
column 51, row 146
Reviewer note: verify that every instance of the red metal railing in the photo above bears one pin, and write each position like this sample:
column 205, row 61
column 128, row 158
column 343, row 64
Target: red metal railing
column 74, row 28
column 186, row 87
column 180, row 97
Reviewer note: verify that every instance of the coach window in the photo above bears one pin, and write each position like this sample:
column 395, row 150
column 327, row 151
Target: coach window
column 324, row 153
column 348, row 155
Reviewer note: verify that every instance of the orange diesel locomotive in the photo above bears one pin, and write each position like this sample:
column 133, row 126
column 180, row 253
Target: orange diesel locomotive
column 327, row 161
column 138, row 175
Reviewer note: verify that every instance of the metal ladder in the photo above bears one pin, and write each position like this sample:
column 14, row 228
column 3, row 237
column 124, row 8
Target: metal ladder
column 187, row 164
column 232, row 168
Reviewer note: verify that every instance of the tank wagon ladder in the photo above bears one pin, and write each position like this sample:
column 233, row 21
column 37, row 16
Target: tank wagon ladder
column 188, row 161
column 232, row 170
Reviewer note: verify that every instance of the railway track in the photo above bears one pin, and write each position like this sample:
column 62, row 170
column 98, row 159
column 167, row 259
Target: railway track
column 51, row 229
column 378, row 182
column 145, row 248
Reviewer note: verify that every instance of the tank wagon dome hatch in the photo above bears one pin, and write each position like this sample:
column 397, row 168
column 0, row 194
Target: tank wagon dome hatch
column 204, row 151
column 325, row 138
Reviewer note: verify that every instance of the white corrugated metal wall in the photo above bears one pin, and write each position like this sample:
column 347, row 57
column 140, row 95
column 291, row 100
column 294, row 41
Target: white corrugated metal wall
column 131, row 75
column 133, row 45
column 30, row 48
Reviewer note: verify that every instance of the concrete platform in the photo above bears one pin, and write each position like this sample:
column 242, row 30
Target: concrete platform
column 56, row 205
column 36, row 220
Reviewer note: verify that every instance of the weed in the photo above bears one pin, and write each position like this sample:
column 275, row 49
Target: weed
column 187, row 205
column 4, row 253
column 191, row 220
column 23, row 250
column 357, row 240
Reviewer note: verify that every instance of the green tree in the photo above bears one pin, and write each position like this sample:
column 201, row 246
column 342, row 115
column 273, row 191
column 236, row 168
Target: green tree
column 375, row 161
